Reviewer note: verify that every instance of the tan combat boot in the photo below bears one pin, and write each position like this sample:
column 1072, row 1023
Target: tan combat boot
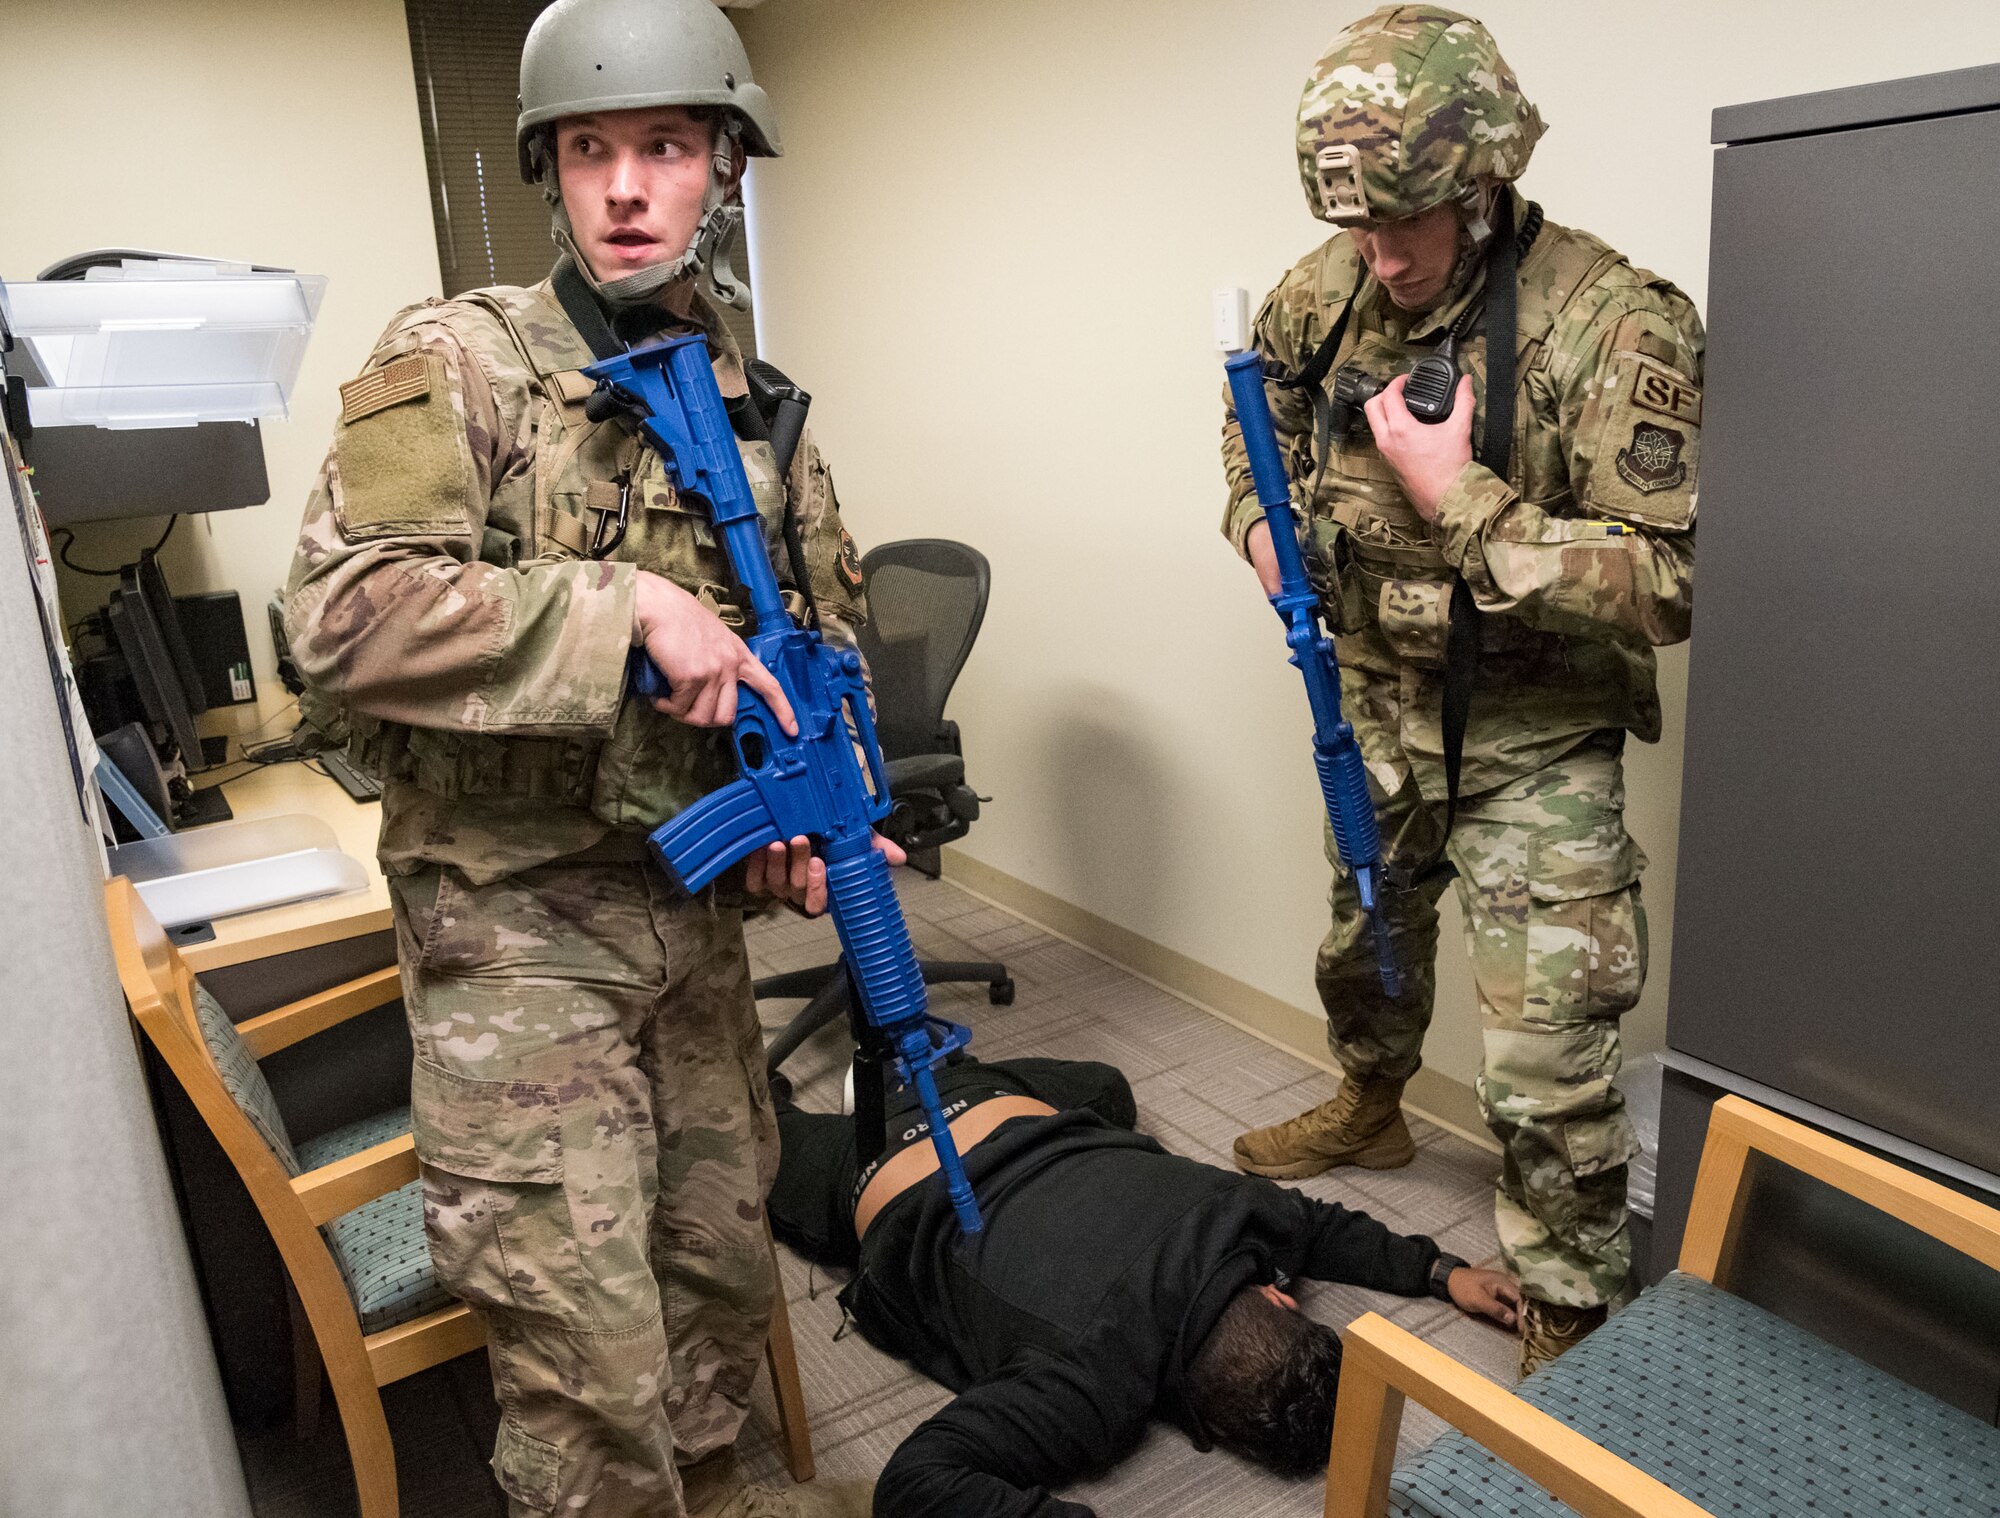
column 1363, row 1125
column 713, row 1487
column 1549, row 1329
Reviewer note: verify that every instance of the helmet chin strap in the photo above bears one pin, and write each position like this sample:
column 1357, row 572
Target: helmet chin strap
column 1475, row 225
column 707, row 252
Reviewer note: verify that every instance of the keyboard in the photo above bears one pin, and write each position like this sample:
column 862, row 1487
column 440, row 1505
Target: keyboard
column 351, row 780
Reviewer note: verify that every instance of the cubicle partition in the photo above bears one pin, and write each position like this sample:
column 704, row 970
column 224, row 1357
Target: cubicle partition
column 109, row 1400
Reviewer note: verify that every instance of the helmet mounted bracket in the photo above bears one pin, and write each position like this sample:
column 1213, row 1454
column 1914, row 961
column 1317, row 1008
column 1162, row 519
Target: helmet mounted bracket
column 1342, row 199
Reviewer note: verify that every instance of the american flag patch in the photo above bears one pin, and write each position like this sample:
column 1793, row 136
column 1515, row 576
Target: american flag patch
column 404, row 380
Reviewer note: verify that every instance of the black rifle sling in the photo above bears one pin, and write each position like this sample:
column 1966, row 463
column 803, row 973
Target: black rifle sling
column 1312, row 380
column 1496, row 446
column 585, row 312
column 781, row 408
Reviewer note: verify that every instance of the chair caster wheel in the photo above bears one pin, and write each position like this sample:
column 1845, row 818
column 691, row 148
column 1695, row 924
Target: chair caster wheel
column 1001, row 993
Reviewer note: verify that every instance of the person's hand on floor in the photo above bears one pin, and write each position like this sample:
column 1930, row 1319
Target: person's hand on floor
column 1485, row 1294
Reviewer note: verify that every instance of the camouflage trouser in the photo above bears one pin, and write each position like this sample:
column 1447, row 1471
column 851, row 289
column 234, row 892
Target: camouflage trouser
column 1548, row 880
column 596, row 1140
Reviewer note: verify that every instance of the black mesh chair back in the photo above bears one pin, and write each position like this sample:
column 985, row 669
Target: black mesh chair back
column 926, row 599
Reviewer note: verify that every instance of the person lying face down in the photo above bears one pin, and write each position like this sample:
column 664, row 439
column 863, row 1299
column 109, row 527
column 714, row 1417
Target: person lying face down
column 1113, row 1282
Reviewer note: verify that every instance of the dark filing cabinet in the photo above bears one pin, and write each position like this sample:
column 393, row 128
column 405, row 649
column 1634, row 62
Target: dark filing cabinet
column 1836, row 943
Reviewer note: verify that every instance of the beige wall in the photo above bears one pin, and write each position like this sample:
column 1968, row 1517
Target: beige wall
column 279, row 134
column 989, row 254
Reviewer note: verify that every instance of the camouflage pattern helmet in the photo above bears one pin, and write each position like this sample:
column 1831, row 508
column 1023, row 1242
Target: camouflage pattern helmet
column 617, row 55
column 1410, row 107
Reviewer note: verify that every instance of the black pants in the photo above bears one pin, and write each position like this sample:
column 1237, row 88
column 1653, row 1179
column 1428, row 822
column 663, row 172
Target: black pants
column 812, row 1204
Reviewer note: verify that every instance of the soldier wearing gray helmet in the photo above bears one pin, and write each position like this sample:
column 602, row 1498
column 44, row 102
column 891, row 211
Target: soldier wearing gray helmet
column 479, row 558
column 1533, row 577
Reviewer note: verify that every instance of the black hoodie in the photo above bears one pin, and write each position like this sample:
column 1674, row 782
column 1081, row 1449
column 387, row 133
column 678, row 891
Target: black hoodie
column 1072, row 1318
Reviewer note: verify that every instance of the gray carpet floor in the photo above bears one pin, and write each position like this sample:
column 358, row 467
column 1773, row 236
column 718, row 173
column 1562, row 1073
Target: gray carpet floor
column 1199, row 1083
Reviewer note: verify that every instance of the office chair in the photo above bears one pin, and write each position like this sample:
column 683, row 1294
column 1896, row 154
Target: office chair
column 926, row 599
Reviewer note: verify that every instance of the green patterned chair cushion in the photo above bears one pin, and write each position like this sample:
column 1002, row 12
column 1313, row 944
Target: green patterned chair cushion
column 241, row 1077
column 1736, row 1410
column 380, row 1245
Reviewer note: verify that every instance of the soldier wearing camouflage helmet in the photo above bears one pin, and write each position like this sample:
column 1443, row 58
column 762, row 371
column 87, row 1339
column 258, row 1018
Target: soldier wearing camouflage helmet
column 1578, row 559
column 479, row 558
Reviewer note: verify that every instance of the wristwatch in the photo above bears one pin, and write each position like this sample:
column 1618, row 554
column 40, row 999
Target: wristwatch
column 1441, row 1275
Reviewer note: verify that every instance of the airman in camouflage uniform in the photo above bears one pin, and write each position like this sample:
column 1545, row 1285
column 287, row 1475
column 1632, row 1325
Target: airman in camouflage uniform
column 590, row 1110
column 1581, row 560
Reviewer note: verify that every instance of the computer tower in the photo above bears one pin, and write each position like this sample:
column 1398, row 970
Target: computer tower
column 213, row 625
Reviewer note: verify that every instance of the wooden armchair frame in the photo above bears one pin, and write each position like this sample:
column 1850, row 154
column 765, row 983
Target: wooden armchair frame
column 1384, row 1364
column 160, row 990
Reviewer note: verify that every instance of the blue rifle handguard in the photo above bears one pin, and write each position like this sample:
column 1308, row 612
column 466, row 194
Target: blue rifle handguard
column 812, row 785
column 1343, row 780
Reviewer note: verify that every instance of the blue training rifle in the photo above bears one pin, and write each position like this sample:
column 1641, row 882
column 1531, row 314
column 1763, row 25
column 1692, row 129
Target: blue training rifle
column 1343, row 781
column 812, row 785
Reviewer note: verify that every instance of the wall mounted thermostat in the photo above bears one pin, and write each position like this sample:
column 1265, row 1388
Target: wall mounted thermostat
column 1232, row 320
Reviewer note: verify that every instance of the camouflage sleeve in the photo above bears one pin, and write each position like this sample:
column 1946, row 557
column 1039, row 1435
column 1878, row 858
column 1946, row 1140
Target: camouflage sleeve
column 389, row 609
column 832, row 561
column 1276, row 335
column 1617, row 559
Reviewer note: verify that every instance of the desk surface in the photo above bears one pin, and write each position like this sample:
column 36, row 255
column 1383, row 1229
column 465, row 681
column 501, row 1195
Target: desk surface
column 275, row 791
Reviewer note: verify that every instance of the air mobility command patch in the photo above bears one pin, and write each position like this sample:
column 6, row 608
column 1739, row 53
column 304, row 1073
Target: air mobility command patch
column 1652, row 461
column 1645, row 453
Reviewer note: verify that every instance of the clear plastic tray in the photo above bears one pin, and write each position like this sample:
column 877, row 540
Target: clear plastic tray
column 237, row 867
column 163, row 344
column 224, row 844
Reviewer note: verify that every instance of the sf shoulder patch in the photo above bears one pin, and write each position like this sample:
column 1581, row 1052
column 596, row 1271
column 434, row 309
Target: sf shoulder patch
column 406, row 379
column 1652, row 460
column 850, row 561
column 1658, row 389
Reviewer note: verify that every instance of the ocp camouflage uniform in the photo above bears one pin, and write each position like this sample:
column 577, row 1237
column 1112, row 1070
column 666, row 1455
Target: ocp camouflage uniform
column 1582, row 559
column 590, row 1111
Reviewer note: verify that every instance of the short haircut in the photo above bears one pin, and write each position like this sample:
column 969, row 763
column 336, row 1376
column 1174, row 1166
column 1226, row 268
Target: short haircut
column 1263, row 1384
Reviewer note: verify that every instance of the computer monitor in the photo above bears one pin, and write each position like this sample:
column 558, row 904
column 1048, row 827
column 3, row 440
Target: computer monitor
column 145, row 577
column 144, row 647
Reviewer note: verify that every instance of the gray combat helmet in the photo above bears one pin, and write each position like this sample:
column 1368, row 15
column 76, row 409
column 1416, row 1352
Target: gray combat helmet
column 620, row 55
column 616, row 55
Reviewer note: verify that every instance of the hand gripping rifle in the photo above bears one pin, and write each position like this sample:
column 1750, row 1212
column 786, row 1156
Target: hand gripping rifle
column 1342, row 779
column 812, row 785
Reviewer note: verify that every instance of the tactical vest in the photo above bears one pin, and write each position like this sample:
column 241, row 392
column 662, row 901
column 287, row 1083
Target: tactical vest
column 648, row 766
column 1386, row 584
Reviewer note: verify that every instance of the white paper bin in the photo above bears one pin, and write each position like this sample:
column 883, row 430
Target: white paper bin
column 163, row 343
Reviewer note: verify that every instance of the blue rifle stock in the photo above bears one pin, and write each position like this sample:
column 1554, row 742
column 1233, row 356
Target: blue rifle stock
column 1342, row 779
column 812, row 785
